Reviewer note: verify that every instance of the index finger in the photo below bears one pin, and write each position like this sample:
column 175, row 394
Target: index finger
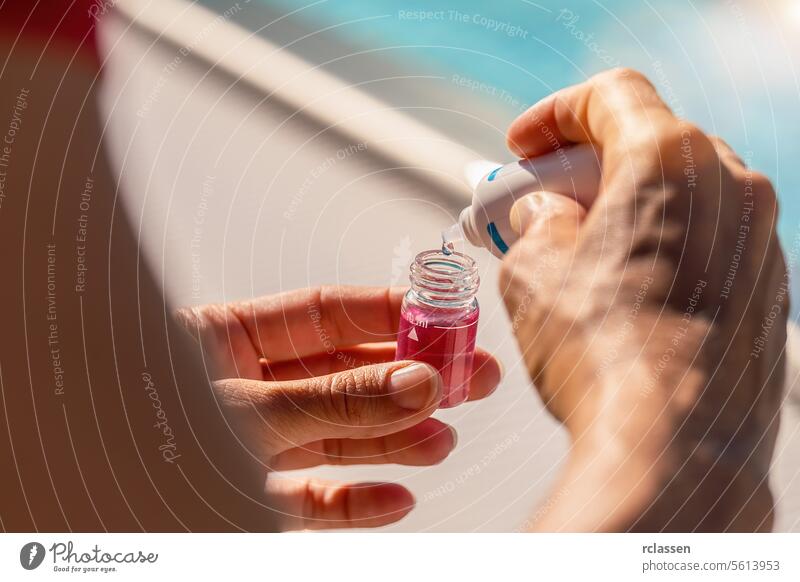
column 605, row 110
column 319, row 320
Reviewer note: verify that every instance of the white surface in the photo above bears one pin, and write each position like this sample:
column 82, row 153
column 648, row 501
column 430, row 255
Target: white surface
column 235, row 196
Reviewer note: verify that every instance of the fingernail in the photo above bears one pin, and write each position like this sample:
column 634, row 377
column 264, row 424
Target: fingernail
column 502, row 367
column 455, row 436
column 414, row 387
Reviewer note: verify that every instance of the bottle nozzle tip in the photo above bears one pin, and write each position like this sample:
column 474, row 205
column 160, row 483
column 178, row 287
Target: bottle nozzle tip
column 450, row 236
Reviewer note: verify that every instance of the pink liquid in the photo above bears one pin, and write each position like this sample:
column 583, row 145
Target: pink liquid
column 443, row 338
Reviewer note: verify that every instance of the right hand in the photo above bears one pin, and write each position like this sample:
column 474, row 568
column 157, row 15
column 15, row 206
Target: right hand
column 653, row 323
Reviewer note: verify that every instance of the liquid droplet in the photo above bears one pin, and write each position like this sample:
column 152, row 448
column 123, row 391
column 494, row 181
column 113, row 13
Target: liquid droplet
column 450, row 236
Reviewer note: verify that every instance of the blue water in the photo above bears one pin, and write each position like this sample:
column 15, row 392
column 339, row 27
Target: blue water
column 721, row 64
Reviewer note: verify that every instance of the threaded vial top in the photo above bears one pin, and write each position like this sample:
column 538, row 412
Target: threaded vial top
column 444, row 280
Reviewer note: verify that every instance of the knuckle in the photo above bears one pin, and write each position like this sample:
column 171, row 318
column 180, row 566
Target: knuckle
column 622, row 74
column 349, row 396
column 719, row 143
column 726, row 152
column 762, row 186
column 328, row 293
column 312, row 501
column 764, row 197
column 623, row 80
column 328, row 298
column 686, row 140
column 332, row 451
column 671, row 146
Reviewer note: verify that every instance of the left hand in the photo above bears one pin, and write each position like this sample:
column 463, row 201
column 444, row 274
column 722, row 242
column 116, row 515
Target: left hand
column 306, row 386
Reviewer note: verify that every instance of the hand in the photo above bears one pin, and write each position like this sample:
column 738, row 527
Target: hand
column 653, row 323
column 303, row 388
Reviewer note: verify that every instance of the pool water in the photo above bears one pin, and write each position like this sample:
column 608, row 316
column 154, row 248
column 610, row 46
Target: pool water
column 727, row 65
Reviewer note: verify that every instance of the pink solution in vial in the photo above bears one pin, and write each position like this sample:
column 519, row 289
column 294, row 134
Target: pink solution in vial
column 439, row 319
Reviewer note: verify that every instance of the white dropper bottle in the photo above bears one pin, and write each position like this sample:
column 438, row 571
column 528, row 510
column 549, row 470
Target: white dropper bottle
column 573, row 171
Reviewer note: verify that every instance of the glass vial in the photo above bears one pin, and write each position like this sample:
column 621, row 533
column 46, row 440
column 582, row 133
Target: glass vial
column 439, row 319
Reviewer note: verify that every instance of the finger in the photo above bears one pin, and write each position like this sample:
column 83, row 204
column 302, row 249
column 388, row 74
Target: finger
column 320, row 320
column 547, row 219
column 322, row 364
column 486, row 370
column 727, row 154
column 549, row 225
column 365, row 402
column 426, row 443
column 605, row 110
column 317, row 504
column 486, row 375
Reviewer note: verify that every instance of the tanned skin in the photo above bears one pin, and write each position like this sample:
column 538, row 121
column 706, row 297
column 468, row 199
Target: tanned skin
column 650, row 329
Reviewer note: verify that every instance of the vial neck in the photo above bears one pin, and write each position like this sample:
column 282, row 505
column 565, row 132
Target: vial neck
column 444, row 280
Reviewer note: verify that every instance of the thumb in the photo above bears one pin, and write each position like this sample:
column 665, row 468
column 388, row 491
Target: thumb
column 548, row 218
column 548, row 226
column 364, row 402
column 370, row 400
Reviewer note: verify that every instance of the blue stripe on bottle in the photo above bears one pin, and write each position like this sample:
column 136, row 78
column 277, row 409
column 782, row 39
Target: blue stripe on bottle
column 496, row 238
column 493, row 173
